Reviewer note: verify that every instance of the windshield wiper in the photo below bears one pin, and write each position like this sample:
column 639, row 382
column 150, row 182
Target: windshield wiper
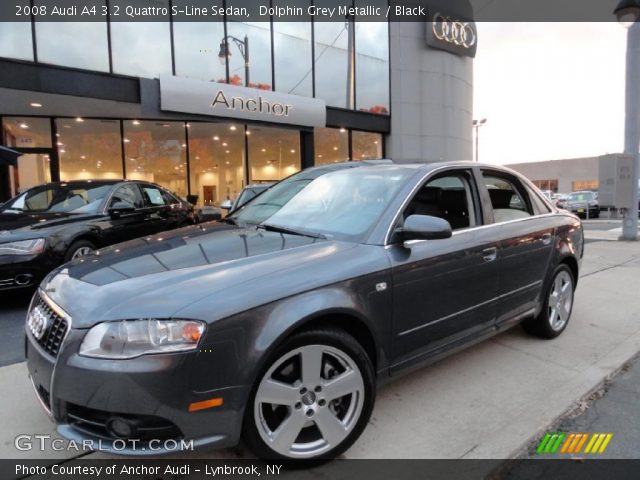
column 229, row 220
column 275, row 228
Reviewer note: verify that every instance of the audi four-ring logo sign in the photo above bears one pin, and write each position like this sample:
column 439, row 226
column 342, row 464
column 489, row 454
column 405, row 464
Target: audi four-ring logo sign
column 38, row 322
column 446, row 32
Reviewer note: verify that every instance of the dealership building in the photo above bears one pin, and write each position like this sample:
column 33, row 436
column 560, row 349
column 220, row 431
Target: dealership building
column 205, row 108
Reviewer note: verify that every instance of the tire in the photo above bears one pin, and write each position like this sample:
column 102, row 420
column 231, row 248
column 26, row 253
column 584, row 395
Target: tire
column 555, row 315
column 314, row 425
column 79, row 249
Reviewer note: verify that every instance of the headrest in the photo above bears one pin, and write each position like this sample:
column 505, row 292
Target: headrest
column 453, row 200
column 500, row 198
column 428, row 195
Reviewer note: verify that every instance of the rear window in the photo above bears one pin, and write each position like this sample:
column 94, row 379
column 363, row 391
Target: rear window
column 582, row 197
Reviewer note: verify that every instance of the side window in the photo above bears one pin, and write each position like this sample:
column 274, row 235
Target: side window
column 153, row 195
column 539, row 207
column 128, row 193
column 447, row 196
column 508, row 197
column 169, row 199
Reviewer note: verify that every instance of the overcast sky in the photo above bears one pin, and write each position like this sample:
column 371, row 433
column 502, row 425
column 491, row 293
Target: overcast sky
column 549, row 90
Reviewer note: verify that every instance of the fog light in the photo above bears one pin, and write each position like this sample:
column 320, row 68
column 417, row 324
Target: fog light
column 121, row 427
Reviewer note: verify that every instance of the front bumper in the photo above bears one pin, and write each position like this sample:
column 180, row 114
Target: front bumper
column 152, row 393
column 23, row 271
column 582, row 211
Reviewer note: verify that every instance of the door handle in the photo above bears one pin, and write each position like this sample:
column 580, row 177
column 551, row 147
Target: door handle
column 546, row 239
column 489, row 254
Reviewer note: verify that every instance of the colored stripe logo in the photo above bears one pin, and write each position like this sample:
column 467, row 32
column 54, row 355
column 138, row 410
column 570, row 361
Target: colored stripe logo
column 574, row 443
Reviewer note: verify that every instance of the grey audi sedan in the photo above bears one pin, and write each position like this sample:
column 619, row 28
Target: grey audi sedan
column 276, row 325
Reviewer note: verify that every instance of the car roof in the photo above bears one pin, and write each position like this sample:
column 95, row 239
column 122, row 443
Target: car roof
column 415, row 165
column 88, row 182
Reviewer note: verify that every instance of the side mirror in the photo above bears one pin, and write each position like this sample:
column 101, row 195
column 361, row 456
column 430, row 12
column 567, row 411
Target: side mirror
column 424, row 227
column 226, row 205
column 121, row 208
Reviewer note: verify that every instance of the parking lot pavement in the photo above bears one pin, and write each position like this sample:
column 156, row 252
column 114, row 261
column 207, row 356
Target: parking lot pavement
column 612, row 409
column 486, row 402
column 13, row 307
column 602, row 229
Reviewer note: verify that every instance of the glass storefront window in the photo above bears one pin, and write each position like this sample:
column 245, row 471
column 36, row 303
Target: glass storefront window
column 366, row 145
column 331, row 145
column 196, row 47
column 89, row 149
column 33, row 169
column 259, row 36
column 65, row 43
column 157, row 152
column 274, row 153
column 372, row 64
column 27, row 132
column 141, row 48
column 216, row 155
column 292, row 53
column 331, row 43
column 16, row 41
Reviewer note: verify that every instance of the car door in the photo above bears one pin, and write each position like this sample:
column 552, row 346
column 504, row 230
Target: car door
column 159, row 212
column 444, row 290
column 526, row 237
column 125, row 226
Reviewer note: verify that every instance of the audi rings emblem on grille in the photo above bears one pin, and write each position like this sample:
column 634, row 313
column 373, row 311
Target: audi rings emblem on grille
column 38, row 322
column 453, row 31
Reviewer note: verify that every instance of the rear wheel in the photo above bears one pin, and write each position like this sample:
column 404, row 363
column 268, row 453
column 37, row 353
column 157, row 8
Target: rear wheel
column 313, row 400
column 78, row 249
column 556, row 311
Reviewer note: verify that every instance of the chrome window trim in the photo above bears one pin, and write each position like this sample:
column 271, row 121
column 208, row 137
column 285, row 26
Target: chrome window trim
column 413, row 191
column 387, row 239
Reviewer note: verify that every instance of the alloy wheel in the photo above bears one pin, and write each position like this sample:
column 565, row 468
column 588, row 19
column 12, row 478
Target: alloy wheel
column 560, row 300
column 309, row 401
column 81, row 252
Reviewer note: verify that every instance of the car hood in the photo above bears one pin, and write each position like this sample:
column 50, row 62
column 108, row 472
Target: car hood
column 161, row 275
column 19, row 226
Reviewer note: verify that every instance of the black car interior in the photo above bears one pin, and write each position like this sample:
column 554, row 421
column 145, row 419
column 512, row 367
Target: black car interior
column 448, row 202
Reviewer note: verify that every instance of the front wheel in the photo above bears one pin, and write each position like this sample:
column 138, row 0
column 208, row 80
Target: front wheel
column 558, row 304
column 313, row 400
column 79, row 249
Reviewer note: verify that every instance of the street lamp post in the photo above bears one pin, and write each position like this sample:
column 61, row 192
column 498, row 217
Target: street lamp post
column 628, row 13
column 243, row 46
column 477, row 124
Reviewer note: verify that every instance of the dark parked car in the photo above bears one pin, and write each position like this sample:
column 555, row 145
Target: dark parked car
column 48, row 225
column 580, row 202
column 278, row 324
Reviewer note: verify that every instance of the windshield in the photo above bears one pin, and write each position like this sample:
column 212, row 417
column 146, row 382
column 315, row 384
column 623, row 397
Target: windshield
column 582, row 197
column 63, row 198
column 248, row 193
column 341, row 204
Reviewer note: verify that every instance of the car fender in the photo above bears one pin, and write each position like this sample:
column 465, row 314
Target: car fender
column 253, row 337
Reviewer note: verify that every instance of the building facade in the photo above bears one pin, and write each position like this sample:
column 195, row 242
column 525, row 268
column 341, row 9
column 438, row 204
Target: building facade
column 604, row 174
column 205, row 108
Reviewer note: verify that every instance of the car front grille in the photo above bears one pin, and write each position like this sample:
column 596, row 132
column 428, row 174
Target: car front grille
column 55, row 327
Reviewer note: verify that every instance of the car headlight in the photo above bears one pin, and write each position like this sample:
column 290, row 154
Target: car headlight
column 132, row 338
column 23, row 247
